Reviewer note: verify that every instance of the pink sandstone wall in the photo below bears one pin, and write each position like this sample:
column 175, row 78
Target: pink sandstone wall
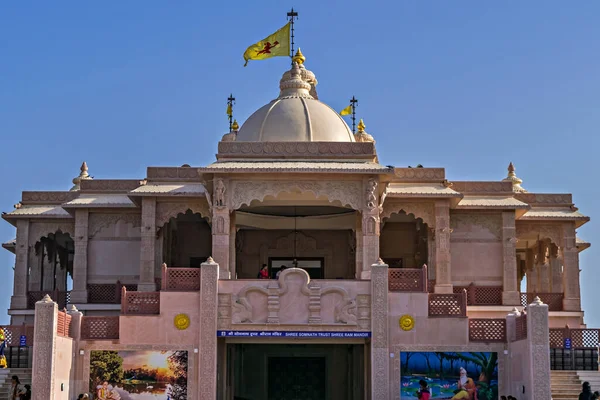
column 258, row 246
column 114, row 254
column 520, row 367
column 476, row 249
column 63, row 370
column 160, row 329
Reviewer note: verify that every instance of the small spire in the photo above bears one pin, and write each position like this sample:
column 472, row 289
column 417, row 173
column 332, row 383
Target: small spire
column 83, row 175
column 235, row 127
column 299, row 57
column 512, row 177
column 361, row 126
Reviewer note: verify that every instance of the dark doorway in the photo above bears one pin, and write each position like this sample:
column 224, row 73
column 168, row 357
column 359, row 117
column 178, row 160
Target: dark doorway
column 297, row 378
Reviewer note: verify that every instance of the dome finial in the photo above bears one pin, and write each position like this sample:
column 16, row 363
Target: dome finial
column 235, row 126
column 299, row 57
column 512, row 177
column 83, row 175
column 361, row 126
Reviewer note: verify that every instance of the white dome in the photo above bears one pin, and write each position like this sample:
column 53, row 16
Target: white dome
column 295, row 116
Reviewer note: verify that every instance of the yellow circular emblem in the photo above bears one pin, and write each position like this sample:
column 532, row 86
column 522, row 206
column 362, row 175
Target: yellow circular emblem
column 182, row 321
column 407, row 323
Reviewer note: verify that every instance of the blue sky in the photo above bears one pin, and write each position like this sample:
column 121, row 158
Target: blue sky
column 467, row 85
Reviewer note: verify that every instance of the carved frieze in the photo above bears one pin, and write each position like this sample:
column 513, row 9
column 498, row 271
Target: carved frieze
column 297, row 149
column 371, row 193
column 175, row 173
column 307, row 298
column 543, row 231
column 166, row 211
column 39, row 229
column 482, row 187
column 346, row 192
column 545, row 198
column 423, row 210
column 419, row 173
column 99, row 221
column 109, row 185
column 48, row 197
column 491, row 222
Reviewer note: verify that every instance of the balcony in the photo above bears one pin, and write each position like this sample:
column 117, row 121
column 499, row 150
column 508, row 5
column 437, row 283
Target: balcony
column 408, row 279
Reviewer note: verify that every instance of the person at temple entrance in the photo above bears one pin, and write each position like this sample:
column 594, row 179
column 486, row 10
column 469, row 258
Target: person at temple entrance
column 264, row 272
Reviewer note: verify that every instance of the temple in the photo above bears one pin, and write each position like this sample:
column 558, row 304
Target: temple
column 296, row 266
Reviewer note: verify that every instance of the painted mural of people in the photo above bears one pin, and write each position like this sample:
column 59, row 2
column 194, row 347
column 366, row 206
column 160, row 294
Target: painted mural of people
column 466, row 387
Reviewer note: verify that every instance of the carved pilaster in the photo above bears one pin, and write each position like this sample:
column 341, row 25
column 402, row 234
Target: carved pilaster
column 209, row 278
column 556, row 270
column 79, row 292
column 44, row 361
column 370, row 227
column 359, row 246
column 314, row 304
column 363, row 302
column 19, row 298
column 572, row 299
column 221, row 227
column 510, row 294
column 443, row 273
column 539, row 343
column 148, row 243
column 232, row 246
column 273, row 303
column 380, row 365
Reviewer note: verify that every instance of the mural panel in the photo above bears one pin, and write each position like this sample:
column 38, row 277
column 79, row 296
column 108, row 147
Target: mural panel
column 138, row 375
column 449, row 375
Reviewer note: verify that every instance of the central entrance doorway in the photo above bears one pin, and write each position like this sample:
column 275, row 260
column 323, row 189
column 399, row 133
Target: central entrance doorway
column 296, row 377
column 303, row 371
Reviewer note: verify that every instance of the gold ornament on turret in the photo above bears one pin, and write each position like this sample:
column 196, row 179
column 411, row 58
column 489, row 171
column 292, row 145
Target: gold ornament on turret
column 299, row 57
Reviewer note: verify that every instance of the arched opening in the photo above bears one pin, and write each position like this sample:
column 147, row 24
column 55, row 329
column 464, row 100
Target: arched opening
column 296, row 230
column 404, row 241
column 51, row 267
column 187, row 240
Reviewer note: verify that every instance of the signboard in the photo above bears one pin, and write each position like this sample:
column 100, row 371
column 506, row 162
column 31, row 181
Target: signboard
column 294, row 334
column 23, row 341
column 568, row 343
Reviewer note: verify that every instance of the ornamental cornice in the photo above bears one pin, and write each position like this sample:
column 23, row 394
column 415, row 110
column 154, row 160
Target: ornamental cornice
column 420, row 174
column 548, row 199
column 48, row 197
column 109, row 185
column 482, row 187
column 348, row 193
column 174, row 173
column 167, row 210
column 295, row 149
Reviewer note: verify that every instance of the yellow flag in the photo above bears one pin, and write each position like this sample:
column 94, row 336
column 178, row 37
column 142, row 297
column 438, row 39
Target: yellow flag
column 229, row 110
column 275, row 45
column 347, row 110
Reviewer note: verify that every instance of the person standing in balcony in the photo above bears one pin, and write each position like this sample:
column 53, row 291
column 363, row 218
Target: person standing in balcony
column 281, row 269
column 264, row 272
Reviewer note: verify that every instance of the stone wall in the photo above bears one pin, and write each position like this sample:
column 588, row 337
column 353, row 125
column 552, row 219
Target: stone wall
column 476, row 249
column 64, row 371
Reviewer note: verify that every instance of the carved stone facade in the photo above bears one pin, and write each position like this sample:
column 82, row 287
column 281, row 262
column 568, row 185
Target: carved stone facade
column 348, row 193
column 99, row 221
column 423, row 210
column 39, row 229
column 79, row 293
column 572, row 300
column 492, row 222
column 295, row 299
column 167, row 210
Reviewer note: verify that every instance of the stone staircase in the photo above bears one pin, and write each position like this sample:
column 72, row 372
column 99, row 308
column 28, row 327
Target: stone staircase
column 565, row 385
column 5, row 380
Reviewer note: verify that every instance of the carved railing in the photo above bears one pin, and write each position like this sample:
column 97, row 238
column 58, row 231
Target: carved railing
column 100, row 328
column 452, row 305
column 487, row 330
column 521, row 327
column 63, row 326
column 407, row 279
column 61, row 298
column 13, row 333
column 140, row 303
column 577, row 338
column 481, row 295
column 180, row 279
column 553, row 300
column 107, row 293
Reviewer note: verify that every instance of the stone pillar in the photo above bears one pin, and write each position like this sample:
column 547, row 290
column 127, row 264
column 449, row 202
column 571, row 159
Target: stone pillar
column 510, row 293
column 232, row 246
column 539, row 353
column 530, row 271
column 370, row 227
column 555, row 270
column 147, row 248
column 207, row 369
column 80, row 259
column 19, row 298
column 380, row 354
column 544, row 277
column 359, row 246
column 572, row 299
column 46, row 319
column 431, row 253
column 221, row 228
column 80, row 385
column 443, row 272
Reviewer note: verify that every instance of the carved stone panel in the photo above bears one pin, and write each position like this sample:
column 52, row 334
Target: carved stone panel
column 423, row 210
column 39, row 229
column 167, row 210
column 97, row 222
column 294, row 299
column 348, row 193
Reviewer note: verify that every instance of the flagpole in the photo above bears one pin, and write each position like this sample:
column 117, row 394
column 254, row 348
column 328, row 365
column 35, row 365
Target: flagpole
column 353, row 104
column 292, row 15
column 230, row 103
